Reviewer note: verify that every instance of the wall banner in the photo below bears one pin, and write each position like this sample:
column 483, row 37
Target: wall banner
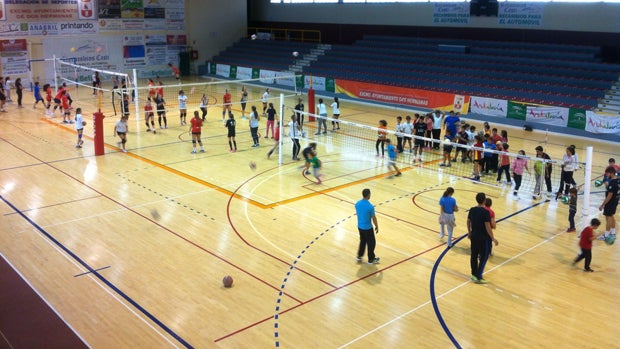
column 598, row 123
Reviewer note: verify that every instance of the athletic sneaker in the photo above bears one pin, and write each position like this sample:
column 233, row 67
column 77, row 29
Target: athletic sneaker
column 601, row 237
column 307, row 172
column 193, row 151
column 482, row 281
column 358, row 259
column 473, row 278
column 374, row 261
column 398, row 174
column 589, row 270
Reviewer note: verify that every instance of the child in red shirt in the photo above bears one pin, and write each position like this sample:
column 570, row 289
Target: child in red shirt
column 585, row 242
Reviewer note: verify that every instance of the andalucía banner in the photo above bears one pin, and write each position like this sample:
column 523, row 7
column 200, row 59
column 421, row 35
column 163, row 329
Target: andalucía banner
column 404, row 96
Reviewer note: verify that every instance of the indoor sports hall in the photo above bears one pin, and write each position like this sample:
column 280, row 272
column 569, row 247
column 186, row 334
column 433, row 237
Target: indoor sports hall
column 156, row 241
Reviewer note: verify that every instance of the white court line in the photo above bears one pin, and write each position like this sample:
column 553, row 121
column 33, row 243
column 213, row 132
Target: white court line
column 44, row 300
column 104, row 288
column 270, row 242
column 448, row 292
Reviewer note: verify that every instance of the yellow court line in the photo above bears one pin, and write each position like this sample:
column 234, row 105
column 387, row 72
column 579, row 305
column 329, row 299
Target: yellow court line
column 233, row 194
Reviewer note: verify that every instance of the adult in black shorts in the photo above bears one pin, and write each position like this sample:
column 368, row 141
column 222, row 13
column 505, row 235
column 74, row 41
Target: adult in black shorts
column 548, row 167
column 610, row 204
column 480, row 233
column 161, row 110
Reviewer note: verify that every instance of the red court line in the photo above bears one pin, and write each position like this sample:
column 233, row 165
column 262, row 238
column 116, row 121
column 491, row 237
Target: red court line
column 328, row 293
column 161, row 226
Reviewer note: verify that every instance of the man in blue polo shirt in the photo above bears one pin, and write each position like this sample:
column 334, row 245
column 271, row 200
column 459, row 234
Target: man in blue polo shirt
column 365, row 219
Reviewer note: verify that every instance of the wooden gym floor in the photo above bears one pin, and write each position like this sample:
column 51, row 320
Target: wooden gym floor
column 80, row 229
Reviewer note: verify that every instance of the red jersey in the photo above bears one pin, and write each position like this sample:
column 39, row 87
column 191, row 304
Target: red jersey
column 59, row 94
column 148, row 109
column 382, row 132
column 196, row 125
column 48, row 93
column 277, row 135
column 585, row 241
column 160, row 91
column 175, row 71
column 152, row 89
column 65, row 102
column 227, row 98
column 478, row 153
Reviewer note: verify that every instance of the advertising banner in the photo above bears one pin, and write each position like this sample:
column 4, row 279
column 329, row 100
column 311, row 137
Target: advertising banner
column 599, row 123
column 520, row 14
column 402, row 95
column 516, row 111
column 547, row 115
column 489, row 106
column 577, row 118
column 451, row 13
column 244, row 73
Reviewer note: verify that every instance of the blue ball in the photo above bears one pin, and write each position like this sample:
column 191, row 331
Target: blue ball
column 610, row 239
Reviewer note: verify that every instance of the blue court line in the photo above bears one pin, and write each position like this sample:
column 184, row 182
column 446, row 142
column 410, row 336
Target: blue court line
column 436, row 265
column 88, row 272
column 100, row 277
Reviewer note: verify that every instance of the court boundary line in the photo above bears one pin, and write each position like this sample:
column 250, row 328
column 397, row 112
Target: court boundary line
column 440, row 258
column 98, row 275
column 7, row 261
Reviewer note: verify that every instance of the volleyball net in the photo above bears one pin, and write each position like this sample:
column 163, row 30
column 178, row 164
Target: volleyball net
column 539, row 178
column 128, row 94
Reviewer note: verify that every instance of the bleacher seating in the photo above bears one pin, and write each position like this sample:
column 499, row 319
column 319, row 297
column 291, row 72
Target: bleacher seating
column 553, row 74
column 265, row 54
column 563, row 75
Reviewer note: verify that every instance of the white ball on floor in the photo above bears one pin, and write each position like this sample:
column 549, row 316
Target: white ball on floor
column 253, row 36
column 155, row 214
column 252, row 165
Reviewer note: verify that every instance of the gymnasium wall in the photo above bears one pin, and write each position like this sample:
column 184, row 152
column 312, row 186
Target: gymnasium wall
column 215, row 24
column 575, row 23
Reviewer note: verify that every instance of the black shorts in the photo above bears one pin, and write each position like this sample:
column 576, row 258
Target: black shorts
column 196, row 133
column 231, row 134
column 610, row 209
column 447, row 149
column 121, row 133
column 419, row 142
column 56, row 100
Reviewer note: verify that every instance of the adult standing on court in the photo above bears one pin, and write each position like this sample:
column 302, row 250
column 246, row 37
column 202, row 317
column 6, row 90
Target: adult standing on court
column 295, row 132
column 195, row 128
column 227, row 98
column 19, row 89
column 452, row 123
column 436, row 132
column 447, row 207
column 480, row 234
column 548, row 167
column 610, row 203
column 244, row 100
column 254, row 118
column 365, row 219
column 299, row 111
column 322, row 110
column 264, row 99
column 336, row 112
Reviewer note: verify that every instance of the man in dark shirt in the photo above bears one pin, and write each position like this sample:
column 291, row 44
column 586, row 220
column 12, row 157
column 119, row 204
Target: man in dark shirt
column 481, row 235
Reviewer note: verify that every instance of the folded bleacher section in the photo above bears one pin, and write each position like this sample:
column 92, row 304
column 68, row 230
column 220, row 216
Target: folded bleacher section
column 263, row 54
column 550, row 74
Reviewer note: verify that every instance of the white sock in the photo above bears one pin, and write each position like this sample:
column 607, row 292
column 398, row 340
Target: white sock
column 612, row 231
column 606, row 234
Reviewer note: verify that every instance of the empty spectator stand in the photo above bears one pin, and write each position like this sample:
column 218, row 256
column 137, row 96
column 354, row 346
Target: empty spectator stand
column 264, row 54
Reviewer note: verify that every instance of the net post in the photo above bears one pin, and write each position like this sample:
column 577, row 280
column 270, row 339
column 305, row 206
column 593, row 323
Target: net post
column 311, row 104
column 587, row 183
column 135, row 94
column 281, row 118
column 55, row 74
